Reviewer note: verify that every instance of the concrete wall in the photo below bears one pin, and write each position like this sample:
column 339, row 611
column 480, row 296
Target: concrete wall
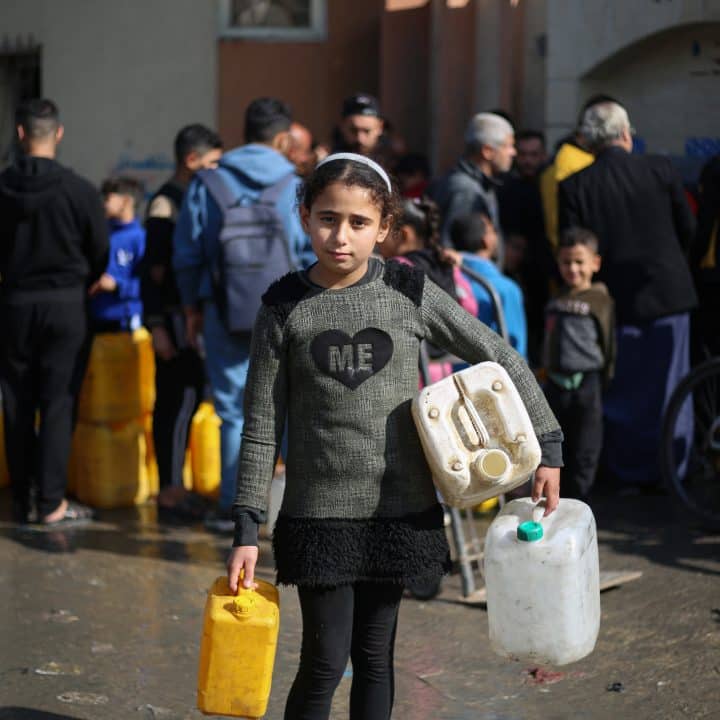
column 405, row 69
column 453, row 75
column 126, row 75
column 530, row 112
column 640, row 50
column 669, row 107
column 313, row 77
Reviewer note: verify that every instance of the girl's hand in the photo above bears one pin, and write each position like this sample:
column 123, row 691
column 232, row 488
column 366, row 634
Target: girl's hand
column 547, row 484
column 243, row 558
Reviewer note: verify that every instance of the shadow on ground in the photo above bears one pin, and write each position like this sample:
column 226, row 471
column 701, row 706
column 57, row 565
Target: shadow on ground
column 20, row 713
column 656, row 528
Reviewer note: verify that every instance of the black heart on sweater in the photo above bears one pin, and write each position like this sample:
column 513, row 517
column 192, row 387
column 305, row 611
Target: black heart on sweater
column 352, row 360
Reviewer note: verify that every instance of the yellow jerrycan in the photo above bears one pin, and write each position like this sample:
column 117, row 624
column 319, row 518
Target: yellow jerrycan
column 119, row 383
column 205, row 451
column 237, row 652
column 108, row 465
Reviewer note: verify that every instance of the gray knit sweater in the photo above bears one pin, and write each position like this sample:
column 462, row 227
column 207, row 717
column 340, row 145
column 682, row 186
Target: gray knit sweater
column 342, row 366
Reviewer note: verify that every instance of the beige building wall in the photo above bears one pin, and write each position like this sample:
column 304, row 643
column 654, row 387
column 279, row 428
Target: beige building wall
column 659, row 58
column 126, row 75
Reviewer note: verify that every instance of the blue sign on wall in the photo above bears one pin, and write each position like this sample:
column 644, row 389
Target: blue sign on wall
column 702, row 147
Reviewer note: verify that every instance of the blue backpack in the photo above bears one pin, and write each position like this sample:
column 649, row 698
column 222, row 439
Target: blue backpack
column 253, row 250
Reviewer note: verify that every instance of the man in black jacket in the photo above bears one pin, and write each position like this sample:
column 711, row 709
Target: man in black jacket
column 636, row 206
column 179, row 371
column 53, row 244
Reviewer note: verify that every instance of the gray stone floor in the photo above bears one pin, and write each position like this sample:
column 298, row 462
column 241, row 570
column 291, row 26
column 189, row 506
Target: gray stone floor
column 104, row 622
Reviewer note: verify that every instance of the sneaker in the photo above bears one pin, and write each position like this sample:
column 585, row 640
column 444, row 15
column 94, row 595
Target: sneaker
column 220, row 521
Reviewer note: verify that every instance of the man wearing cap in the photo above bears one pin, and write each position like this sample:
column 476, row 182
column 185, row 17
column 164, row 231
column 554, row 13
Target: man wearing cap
column 361, row 128
column 470, row 187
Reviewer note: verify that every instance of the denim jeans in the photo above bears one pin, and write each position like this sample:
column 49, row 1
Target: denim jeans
column 227, row 359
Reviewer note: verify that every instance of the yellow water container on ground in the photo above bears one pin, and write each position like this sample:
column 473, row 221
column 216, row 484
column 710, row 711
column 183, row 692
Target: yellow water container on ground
column 238, row 650
column 119, row 384
column 109, row 465
column 150, row 457
column 4, row 474
column 187, row 475
column 205, row 451
column 487, row 505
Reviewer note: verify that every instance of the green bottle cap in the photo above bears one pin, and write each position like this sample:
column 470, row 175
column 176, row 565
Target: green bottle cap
column 529, row 531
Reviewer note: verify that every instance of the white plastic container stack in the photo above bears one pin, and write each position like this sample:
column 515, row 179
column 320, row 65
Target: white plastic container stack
column 478, row 438
column 543, row 582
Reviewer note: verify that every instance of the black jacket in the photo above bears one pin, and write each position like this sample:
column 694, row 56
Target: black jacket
column 53, row 232
column 636, row 206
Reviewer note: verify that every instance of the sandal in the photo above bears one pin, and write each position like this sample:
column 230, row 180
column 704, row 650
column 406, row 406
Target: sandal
column 75, row 514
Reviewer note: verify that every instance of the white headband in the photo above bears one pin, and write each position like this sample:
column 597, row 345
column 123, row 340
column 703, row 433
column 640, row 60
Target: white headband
column 360, row 159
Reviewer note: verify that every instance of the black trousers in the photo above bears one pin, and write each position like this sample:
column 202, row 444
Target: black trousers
column 580, row 415
column 350, row 621
column 43, row 355
column 179, row 385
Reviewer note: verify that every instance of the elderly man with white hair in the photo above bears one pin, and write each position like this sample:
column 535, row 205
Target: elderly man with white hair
column 470, row 187
column 636, row 206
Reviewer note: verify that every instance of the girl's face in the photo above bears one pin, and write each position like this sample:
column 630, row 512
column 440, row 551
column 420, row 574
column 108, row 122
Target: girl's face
column 344, row 225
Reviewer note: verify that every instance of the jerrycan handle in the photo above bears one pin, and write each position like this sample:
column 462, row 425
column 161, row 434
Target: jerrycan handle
column 538, row 512
column 245, row 600
column 475, row 420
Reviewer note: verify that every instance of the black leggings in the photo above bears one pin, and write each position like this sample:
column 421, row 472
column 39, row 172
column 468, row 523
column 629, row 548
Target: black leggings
column 356, row 621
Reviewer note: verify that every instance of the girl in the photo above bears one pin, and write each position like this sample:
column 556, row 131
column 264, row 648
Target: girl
column 417, row 241
column 335, row 351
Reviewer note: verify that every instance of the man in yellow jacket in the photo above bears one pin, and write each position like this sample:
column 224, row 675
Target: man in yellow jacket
column 569, row 159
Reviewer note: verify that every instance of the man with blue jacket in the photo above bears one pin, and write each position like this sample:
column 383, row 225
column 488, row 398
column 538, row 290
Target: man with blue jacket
column 247, row 171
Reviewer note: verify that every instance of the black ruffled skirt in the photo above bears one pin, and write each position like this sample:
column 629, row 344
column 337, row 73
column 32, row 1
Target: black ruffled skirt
column 320, row 552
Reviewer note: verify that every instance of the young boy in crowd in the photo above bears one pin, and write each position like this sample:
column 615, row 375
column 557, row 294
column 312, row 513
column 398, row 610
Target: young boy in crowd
column 579, row 357
column 179, row 369
column 115, row 304
column 476, row 238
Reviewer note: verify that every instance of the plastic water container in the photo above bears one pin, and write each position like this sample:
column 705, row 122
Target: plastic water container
column 119, row 383
column 543, row 582
column 108, row 465
column 205, row 451
column 237, row 652
column 478, row 438
column 153, row 473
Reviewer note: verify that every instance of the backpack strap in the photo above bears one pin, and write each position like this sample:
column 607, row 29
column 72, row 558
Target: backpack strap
column 272, row 194
column 218, row 188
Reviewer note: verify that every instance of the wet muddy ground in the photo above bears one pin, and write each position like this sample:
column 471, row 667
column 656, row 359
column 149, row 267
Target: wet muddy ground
column 105, row 622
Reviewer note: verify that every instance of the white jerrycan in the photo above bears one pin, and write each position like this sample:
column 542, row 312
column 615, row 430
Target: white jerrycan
column 476, row 433
column 543, row 582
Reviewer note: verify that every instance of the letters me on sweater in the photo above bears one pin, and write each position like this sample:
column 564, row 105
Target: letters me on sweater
column 342, row 366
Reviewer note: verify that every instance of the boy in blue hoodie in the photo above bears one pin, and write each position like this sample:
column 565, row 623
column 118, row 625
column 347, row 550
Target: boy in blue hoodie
column 476, row 238
column 115, row 304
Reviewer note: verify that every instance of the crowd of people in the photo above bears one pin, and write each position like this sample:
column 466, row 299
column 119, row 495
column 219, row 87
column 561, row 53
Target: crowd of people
column 571, row 243
column 593, row 252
